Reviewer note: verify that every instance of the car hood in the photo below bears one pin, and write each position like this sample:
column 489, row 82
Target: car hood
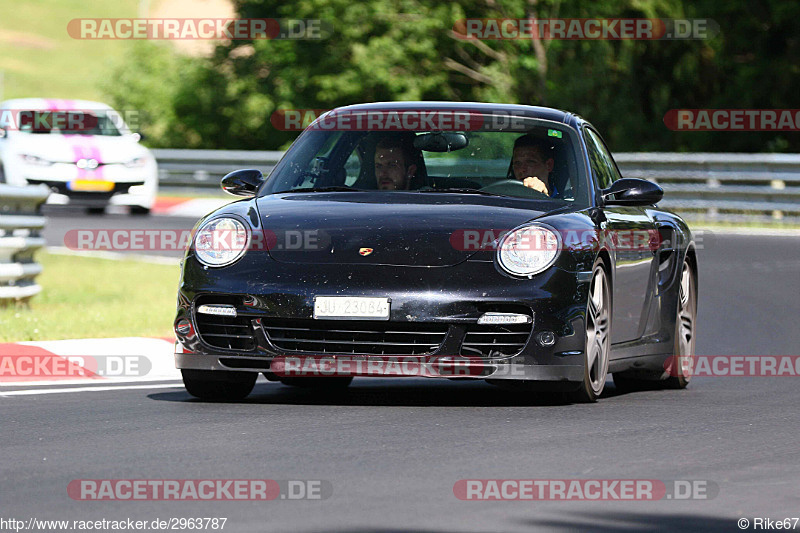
column 70, row 148
column 403, row 229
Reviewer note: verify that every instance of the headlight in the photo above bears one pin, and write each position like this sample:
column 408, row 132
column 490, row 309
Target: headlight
column 221, row 241
column 528, row 250
column 136, row 163
column 35, row 160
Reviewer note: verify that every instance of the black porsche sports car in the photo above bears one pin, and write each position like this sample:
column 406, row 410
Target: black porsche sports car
column 450, row 240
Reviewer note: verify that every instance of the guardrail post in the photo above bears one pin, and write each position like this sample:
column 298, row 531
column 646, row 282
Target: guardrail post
column 201, row 175
column 21, row 223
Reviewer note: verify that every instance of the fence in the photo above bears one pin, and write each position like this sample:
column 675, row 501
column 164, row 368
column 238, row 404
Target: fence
column 719, row 186
column 21, row 224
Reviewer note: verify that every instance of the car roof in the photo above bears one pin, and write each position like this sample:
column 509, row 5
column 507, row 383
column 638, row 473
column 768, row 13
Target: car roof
column 35, row 104
column 545, row 113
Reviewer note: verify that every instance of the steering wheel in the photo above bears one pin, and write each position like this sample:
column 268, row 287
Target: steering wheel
column 513, row 188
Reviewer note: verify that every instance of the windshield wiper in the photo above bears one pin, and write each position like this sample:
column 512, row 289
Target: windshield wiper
column 323, row 189
column 462, row 190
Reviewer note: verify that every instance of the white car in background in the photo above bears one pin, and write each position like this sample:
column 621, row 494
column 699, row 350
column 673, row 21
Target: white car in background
column 84, row 151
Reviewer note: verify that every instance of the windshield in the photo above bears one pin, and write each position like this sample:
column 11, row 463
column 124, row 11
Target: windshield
column 69, row 122
column 536, row 159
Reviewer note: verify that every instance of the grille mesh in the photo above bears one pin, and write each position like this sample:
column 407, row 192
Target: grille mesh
column 225, row 332
column 355, row 337
column 485, row 341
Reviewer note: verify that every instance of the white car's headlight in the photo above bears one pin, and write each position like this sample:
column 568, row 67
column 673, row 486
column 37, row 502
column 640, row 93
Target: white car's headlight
column 528, row 250
column 221, row 241
column 35, row 160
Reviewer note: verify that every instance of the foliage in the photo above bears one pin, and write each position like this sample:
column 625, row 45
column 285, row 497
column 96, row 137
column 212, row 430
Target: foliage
column 406, row 50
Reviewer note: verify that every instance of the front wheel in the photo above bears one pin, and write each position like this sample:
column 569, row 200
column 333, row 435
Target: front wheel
column 598, row 340
column 218, row 385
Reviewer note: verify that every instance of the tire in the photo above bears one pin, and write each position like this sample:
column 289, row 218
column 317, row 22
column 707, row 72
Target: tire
column 2, row 173
column 683, row 349
column 138, row 210
column 96, row 210
column 318, row 383
column 218, row 385
column 598, row 337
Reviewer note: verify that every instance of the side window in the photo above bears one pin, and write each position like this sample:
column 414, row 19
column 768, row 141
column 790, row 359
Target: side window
column 603, row 167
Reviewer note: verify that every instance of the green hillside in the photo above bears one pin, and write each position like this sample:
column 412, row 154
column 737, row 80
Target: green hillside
column 38, row 58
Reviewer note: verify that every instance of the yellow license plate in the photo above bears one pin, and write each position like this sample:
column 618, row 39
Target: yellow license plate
column 91, row 185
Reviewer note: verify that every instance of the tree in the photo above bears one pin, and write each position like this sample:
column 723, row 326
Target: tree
column 386, row 50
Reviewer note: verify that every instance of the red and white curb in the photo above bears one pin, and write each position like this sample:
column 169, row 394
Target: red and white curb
column 187, row 207
column 77, row 365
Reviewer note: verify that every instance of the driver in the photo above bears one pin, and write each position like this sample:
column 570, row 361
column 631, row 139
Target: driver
column 394, row 163
column 532, row 162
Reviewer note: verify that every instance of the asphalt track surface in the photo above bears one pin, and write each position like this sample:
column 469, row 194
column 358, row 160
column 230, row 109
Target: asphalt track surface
column 392, row 450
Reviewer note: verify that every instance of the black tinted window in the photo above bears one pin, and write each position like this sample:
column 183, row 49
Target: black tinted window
column 478, row 159
column 603, row 167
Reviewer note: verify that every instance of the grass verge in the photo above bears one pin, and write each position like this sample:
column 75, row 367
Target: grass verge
column 41, row 59
column 89, row 297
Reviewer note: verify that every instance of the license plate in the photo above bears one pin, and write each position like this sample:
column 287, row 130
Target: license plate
column 351, row 307
column 91, row 185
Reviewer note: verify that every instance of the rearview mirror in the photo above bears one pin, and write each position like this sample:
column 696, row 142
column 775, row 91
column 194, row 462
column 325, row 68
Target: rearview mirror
column 441, row 141
column 242, row 182
column 632, row 191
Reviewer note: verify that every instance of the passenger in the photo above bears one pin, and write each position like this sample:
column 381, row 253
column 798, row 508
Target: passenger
column 394, row 163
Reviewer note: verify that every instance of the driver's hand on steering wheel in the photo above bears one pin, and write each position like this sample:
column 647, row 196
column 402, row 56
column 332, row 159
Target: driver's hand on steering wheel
column 536, row 184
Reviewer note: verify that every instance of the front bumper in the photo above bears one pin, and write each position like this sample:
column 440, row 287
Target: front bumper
column 131, row 186
column 367, row 366
column 141, row 199
column 454, row 297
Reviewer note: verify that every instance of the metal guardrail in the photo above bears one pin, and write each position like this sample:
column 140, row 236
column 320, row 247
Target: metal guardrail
column 21, row 224
column 719, row 186
column 204, row 168
column 723, row 186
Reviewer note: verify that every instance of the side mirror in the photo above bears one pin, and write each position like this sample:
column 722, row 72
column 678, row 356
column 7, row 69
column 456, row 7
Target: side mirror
column 242, row 182
column 138, row 137
column 2, row 133
column 632, row 191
